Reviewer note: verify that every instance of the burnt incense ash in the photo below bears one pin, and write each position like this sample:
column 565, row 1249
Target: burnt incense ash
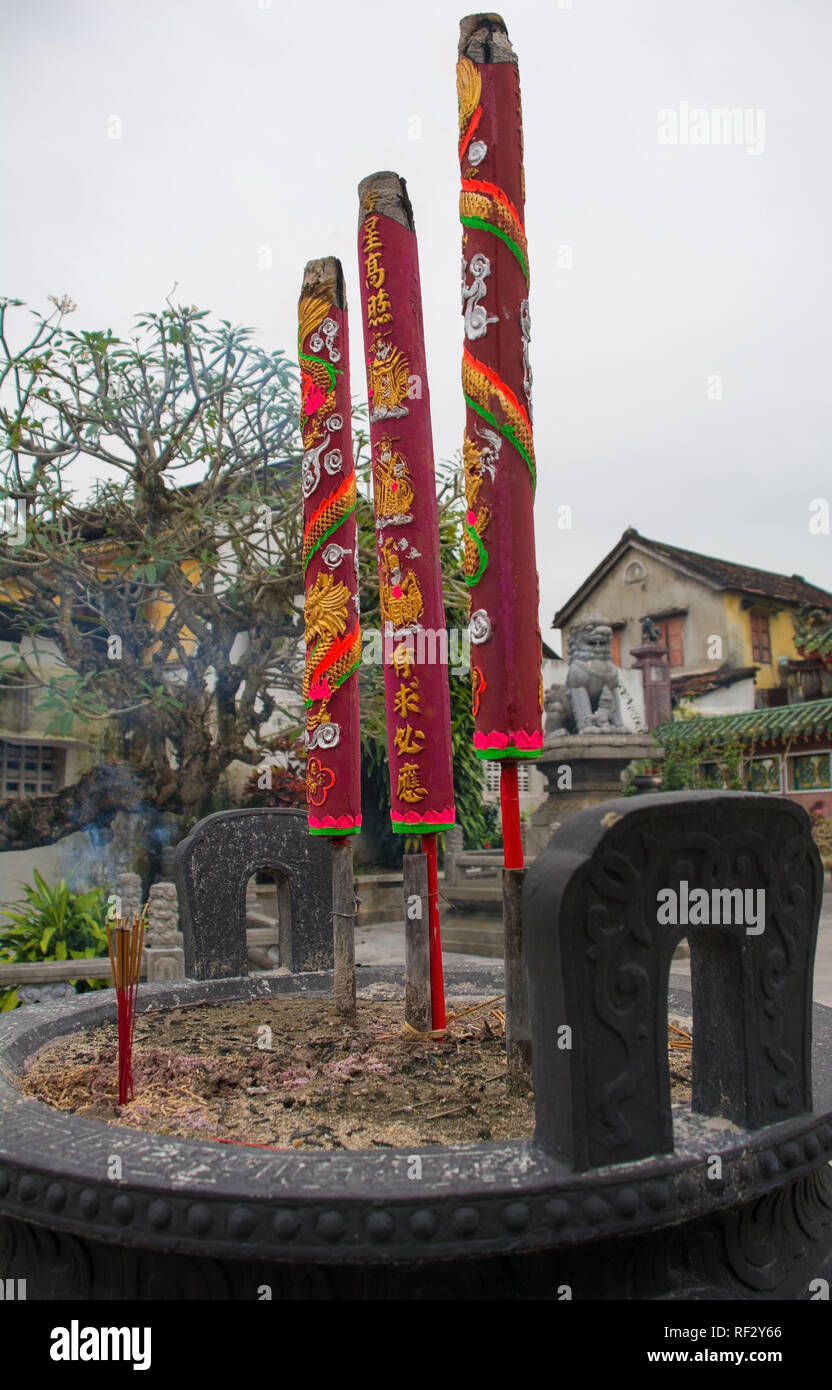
column 124, row 942
column 325, row 1081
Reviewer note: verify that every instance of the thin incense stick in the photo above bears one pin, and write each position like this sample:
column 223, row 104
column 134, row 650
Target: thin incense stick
column 124, row 943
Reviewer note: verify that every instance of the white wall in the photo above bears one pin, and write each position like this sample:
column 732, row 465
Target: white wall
column 632, row 709
column 730, row 699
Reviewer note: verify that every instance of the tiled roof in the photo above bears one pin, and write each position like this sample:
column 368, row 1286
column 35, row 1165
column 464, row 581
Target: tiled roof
column 745, row 578
column 813, row 635
column 813, row 718
column 720, row 574
column 700, row 682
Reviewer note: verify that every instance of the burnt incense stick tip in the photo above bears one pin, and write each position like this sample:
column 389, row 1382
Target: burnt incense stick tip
column 324, row 279
column 385, row 192
column 484, row 39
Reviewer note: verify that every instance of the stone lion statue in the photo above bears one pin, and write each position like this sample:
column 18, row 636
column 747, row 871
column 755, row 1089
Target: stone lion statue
column 588, row 703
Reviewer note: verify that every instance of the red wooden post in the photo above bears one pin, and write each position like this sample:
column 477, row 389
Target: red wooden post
column 437, row 981
column 510, row 808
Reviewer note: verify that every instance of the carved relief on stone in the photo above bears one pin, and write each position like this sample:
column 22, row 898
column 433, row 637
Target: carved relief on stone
column 162, row 915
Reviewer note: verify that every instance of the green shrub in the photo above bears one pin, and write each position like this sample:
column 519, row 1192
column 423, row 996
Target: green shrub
column 53, row 924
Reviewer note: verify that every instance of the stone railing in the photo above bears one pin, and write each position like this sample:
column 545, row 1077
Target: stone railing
column 473, row 865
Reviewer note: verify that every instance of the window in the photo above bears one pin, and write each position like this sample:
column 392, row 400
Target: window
column 616, row 647
column 809, row 772
column 671, row 634
column 492, row 777
column 763, row 775
column 28, row 769
column 760, row 638
column 712, row 777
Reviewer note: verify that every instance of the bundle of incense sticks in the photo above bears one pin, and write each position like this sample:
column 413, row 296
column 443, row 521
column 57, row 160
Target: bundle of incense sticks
column 124, row 941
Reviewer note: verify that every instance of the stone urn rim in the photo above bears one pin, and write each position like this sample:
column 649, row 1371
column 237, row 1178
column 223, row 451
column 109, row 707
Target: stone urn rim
column 343, row 1206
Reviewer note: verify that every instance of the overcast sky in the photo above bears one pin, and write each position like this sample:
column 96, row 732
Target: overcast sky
column 695, row 268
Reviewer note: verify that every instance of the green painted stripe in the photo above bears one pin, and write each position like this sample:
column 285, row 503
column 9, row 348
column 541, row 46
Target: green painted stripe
column 352, row 830
column 331, row 371
column 504, row 236
column 421, row 828
column 473, row 579
column 326, row 535
column 308, row 703
column 347, row 675
column 507, row 432
column 495, row 754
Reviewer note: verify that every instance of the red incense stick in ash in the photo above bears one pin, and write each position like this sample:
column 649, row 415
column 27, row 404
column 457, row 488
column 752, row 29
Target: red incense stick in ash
column 499, row 462
column 331, row 622
column 407, row 535
column 125, row 943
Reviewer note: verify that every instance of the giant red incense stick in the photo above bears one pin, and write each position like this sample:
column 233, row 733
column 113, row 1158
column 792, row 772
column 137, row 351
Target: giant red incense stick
column 499, row 462
column 124, row 943
column 407, row 535
column 498, row 450
column 330, row 561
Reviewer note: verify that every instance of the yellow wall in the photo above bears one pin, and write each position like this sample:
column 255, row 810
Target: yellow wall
column 157, row 609
column 738, row 622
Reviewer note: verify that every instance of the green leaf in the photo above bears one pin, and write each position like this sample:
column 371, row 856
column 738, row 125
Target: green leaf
column 61, row 726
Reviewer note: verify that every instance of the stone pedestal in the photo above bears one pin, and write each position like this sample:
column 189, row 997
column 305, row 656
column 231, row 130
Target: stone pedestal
column 581, row 770
column 652, row 661
column 453, row 847
column 164, row 963
column 129, row 893
column 164, row 956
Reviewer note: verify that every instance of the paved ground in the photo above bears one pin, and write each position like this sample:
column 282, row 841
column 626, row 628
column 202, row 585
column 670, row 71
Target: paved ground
column 383, row 944
column 823, row 959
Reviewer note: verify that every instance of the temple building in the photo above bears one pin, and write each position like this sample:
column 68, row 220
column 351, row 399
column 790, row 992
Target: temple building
column 786, row 751
column 750, row 657
column 738, row 638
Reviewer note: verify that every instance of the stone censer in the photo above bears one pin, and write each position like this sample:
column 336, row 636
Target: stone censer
column 617, row 1197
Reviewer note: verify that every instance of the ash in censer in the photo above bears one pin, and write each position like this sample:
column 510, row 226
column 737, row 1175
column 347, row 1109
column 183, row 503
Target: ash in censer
column 292, row 1073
